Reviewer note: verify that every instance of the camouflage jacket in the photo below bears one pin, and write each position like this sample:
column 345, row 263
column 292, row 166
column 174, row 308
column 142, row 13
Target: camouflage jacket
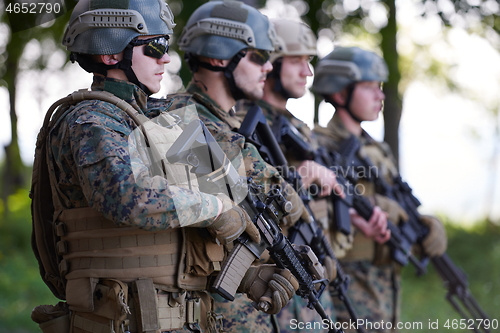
column 93, row 164
column 223, row 125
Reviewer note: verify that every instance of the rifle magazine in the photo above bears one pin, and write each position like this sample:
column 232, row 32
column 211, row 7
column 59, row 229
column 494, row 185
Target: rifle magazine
column 233, row 270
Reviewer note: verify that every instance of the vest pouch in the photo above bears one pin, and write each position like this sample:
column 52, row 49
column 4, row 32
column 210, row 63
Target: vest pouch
column 145, row 305
column 52, row 318
column 200, row 315
column 79, row 294
column 203, row 256
column 110, row 311
column 363, row 249
column 382, row 255
column 156, row 310
column 56, row 325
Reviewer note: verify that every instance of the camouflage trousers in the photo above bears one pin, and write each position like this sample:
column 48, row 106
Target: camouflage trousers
column 374, row 293
column 296, row 317
column 241, row 317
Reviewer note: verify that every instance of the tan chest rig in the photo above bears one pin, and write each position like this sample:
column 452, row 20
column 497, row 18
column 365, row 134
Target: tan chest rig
column 383, row 166
column 128, row 279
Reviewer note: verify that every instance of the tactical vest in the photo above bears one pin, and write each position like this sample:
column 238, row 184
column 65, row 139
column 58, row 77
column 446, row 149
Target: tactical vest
column 379, row 154
column 93, row 249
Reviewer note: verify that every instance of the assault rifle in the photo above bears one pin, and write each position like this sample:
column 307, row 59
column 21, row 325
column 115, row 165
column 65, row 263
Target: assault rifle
column 414, row 232
column 340, row 160
column 197, row 147
column 402, row 237
column 291, row 138
column 336, row 161
column 257, row 131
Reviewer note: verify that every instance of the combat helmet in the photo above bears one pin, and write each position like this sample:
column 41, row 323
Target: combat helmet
column 224, row 30
column 345, row 66
column 100, row 27
column 293, row 38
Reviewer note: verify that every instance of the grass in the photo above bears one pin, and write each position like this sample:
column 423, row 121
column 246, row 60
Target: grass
column 476, row 250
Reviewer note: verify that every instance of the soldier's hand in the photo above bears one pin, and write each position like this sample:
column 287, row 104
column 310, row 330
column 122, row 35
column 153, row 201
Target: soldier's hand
column 375, row 228
column 394, row 211
column 330, row 268
column 232, row 222
column 269, row 287
column 313, row 172
column 436, row 242
column 298, row 209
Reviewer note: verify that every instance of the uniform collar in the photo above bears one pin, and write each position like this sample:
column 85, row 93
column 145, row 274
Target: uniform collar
column 269, row 108
column 229, row 117
column 340, row 132
column 127, row 91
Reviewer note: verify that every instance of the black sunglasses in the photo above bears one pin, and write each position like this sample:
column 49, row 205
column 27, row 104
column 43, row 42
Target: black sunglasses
column 259, row 57
column 156, row 47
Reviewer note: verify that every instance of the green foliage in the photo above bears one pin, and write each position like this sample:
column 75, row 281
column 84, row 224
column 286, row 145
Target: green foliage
column 20, row 284
column 477, row 252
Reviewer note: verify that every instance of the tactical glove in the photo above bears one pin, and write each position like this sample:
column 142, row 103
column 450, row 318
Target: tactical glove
column 436, row 242
column 395, row 212
column 330, row 268
column 232, row 222
column 269, row 287
column 298, row 210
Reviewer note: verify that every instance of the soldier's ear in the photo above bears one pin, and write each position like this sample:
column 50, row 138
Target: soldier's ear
column 340, row 97
column 217, row 62
column 111, row 59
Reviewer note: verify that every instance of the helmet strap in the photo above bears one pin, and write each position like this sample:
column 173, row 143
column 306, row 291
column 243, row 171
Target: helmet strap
column 347, row 106
column 194, row 63
column 126, row 66
column 236, row 92
column 275, row 74
column 89, row 65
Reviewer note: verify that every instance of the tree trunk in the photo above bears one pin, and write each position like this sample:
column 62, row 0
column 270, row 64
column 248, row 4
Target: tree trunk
column 393, row 102
column 12, row 178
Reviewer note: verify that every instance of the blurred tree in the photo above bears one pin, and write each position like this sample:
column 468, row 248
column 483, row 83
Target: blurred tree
column 362, row 17
column 353, row 17
column 22, row 28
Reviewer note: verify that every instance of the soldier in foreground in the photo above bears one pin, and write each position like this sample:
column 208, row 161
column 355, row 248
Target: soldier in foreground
column 127, row 238
column 350, row 79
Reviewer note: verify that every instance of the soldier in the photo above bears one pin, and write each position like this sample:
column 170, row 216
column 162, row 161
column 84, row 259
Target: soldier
column 136, row 250
column 350, row 79
column 227, row 45
column 296, row 46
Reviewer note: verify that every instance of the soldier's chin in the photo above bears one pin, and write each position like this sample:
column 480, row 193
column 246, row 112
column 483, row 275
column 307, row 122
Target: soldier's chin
column 255, row 95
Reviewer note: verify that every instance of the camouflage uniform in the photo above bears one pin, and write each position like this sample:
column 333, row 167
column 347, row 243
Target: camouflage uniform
column 375, row 279
column 297, row 307
column 94, row 167
column 240, row 315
